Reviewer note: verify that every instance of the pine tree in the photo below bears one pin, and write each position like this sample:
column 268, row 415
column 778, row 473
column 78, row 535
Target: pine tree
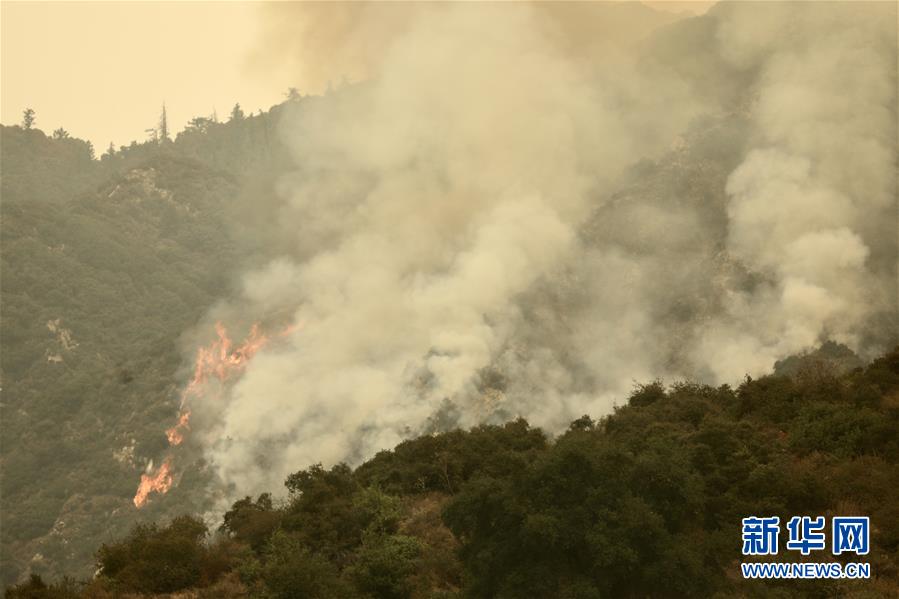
column 163, row 126
column 28, row 119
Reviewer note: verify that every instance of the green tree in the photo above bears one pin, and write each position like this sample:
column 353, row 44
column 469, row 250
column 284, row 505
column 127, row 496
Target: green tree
column 291, row 571
column 163, row 125
column 323, row 509
column 36, row 588
column 384, row 566
column 28, row 119
column 156, row 560
column 252, row 522
column 200, row 124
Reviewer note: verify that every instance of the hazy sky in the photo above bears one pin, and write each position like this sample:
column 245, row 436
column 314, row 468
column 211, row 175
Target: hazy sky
column 103, row 69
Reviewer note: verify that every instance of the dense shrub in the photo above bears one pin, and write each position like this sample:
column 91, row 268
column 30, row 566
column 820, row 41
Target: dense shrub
column 156, row 560
column 645, row 502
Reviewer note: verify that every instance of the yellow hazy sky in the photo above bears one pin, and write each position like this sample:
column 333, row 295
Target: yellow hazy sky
column 102, row 70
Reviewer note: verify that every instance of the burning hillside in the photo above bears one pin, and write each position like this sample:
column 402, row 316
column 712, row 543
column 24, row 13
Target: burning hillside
column 216, row 366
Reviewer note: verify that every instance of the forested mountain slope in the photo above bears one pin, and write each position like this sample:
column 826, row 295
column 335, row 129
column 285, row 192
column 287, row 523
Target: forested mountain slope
column 96, row 293
column 99, row 288
column 517, row 254
column 106, row 262
column 645, row 502
column 38, row 168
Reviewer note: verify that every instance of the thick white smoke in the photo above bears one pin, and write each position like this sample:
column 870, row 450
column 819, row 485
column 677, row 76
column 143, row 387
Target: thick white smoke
column 467, row 212
column 819, row 185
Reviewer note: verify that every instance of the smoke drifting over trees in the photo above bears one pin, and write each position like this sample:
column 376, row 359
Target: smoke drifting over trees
column 462, row 214
column 502, row 216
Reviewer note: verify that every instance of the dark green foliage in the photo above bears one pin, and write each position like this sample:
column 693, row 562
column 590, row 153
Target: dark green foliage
column 841, row 430
column 153, row 559
column 95, row 294
column 60, row 168
column 124, row 254
column 831, row 357
column 444, row 462
column 645, row 395
column 106, row 262
column 584, row 519
column 384, row 566
column 252, row 522
column 645, row 502
column 156, row 560
column 36, row 588
column 322, row 510
column 28, row 119
column 293, row 572
column 38, row 168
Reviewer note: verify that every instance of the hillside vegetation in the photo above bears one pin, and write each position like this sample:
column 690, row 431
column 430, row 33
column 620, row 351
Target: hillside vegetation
column 118, row 262
column 103, row 276
column 106, row 262
column 644, row 502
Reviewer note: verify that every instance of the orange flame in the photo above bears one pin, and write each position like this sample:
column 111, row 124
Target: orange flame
column 176, row 433
column 220, row 360
column 217, row 360
column 160, row 482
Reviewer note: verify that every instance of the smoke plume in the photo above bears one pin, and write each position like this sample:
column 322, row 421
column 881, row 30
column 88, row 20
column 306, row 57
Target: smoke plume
column 509, row 213
column 813, row 205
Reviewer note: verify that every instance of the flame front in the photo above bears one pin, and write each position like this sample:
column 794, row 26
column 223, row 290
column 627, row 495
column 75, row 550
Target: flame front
column 176, row 433
column 159, row 482
column 220, row 360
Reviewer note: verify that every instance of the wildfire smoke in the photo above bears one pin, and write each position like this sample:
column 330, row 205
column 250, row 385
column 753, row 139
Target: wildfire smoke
column 222, row 361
